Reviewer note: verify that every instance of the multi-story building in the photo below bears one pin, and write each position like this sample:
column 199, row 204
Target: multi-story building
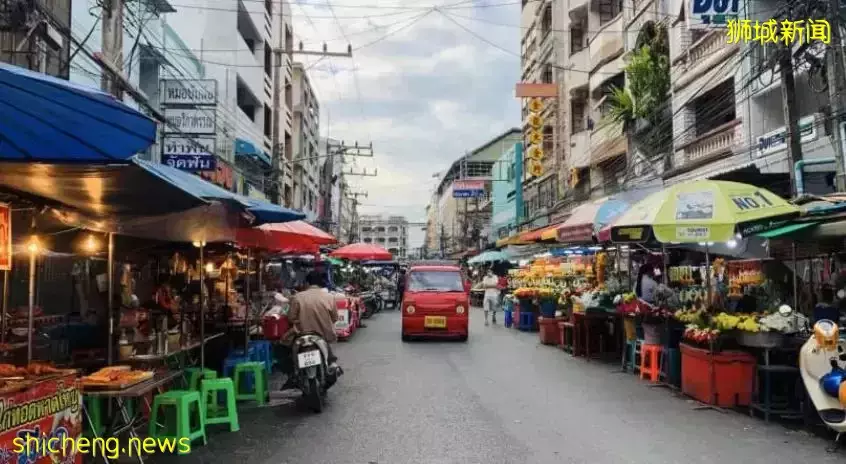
column 306, row 138
column 455, row 223
column 729, row 120
column 503, row 198
column 543, row 59
column 390, row 232
column 33, row 35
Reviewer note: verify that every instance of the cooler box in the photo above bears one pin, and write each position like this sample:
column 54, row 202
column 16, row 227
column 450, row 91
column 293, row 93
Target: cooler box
column 274, row 327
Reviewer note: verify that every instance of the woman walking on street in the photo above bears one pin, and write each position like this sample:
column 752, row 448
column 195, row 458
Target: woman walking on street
column 492, row 291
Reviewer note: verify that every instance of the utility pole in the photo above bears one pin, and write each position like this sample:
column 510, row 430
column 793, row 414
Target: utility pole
column 442, row 241
column 791, row 116
column 112, row 39
column 354, row 225
column 285, row 49
column 835, row 77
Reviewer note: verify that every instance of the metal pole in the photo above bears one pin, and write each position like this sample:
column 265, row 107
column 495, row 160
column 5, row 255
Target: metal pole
column 708, row 274
column 111, row 295
column 619, row 261
column 5, row 306
column 247, row 311
column 30, row 320
column 664, row 263
column 795, row 278
column 202, row 308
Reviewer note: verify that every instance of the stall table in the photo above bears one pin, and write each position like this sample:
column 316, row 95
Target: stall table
column 583, row 322
column 124, row 421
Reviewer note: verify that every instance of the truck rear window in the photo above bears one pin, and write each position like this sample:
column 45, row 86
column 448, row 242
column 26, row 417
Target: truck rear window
column 435, row 281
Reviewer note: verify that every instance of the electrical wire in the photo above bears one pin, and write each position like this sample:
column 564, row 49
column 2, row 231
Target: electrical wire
column 81, row 44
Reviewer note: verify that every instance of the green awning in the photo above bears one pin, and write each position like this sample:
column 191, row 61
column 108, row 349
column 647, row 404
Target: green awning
column 787, row 230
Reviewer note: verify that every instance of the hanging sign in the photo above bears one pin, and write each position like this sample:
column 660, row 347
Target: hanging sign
column 776, row 140
column 189, row 92
column 5, row 237
column 468, row 189
column 189, row 154
column 190, row 121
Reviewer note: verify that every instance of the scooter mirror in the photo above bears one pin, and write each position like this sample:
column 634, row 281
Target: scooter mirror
column 785, row 310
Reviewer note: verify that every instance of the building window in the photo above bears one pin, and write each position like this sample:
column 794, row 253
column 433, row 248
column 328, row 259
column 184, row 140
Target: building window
column 714, row 108
column 547, row 77
column 578, row 113
column 609, row 10
column 268, row 121
column 546, row 21
column 578, row 36
column 268, row 61
column 368, row 240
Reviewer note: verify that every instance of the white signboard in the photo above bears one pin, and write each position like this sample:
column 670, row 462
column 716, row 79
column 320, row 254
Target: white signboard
column 190, row 120
column 776, row 140
column 712, row 14
column 693, row 233
column 343, row 319
column 189, row 92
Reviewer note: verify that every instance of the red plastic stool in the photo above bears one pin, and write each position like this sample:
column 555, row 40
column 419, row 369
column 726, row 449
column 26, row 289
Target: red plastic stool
column 650, row 362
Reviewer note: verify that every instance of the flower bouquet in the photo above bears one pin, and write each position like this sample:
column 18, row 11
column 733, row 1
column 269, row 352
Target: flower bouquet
column 628, row 305
column 701, row 336
column 526, row 293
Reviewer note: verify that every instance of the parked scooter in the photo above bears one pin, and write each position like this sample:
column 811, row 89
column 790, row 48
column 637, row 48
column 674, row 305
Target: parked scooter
column 821, row 362
column 314, row 373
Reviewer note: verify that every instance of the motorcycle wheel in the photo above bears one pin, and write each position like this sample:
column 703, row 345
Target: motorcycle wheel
column 315, row 396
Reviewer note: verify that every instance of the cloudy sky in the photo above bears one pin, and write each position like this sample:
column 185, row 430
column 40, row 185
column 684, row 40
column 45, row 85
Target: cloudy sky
column 419, row 86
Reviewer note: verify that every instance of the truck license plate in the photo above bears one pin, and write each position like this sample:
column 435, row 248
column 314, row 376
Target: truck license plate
column 309, row 358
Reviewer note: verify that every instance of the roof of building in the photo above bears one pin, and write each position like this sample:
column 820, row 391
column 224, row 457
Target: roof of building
column 450, row 174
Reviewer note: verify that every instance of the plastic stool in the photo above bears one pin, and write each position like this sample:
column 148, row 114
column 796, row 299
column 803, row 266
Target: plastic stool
column 527, row 321
column 217, row 412
column 262, row 352
column 243, row 392
column 186, row 406
column 196, row 375
column 94, row 408
column 631, row 353
column 507, row 318
column 650, row 364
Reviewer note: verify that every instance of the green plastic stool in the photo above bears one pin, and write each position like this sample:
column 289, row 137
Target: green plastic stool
column 186, row 405
column 196, row 375
column 94, row 407
column 217, row 413
column 259, row 392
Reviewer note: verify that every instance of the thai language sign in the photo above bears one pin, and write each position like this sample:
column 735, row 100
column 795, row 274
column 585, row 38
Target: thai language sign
column 189, row 154
column 468, row 189
column 199, row 121
column 189, row 92
column 47, row 410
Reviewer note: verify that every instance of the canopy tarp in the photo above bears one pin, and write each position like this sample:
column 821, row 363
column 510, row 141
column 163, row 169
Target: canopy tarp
column 587, row 220
column 489, row 257
column 43, row 118
column 362, row 252
column 284, row 236
column 787, row 230
column 121, row 192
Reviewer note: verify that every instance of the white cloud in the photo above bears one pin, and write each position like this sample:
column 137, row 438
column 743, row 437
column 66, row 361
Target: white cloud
column 423, row 94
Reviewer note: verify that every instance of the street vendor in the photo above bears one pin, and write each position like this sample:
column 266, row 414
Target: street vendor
column 646, row 285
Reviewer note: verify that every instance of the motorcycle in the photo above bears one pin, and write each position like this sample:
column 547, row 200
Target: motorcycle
column 314, row 373
column 371, row 304
column 821, row 362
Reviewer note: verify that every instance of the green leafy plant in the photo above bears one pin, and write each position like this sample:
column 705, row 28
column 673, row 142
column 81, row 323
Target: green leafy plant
column 648, row 77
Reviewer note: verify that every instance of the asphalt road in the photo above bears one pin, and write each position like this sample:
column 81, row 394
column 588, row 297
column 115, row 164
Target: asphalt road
column 499, row 398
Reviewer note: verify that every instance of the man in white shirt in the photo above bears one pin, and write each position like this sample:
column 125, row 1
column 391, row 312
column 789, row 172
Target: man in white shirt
column 491, row 301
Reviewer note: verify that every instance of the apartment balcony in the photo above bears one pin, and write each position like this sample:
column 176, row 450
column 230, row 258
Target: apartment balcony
column 606, row 43
column 546, row 44
column 248, row 67
column 710, row 147
column 579, row 155
column 606, row 143
column 606, row 72
column 702, row 62
column 579, row 65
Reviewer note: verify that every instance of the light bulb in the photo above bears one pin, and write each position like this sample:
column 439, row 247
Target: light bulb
column 91, row 244
column 209, row 267
column 33, row 246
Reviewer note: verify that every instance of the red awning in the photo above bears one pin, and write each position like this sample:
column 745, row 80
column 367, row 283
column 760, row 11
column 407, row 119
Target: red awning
column 536, row 235
column 578, row 228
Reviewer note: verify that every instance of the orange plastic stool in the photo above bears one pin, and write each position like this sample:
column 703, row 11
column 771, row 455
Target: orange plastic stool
column 650, row 362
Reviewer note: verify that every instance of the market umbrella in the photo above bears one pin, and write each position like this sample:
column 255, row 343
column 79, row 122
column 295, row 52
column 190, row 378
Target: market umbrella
column 702, row 212
column 489, row 257
column 284, row 236
column 588, row 219
column 361, row 252
column 43, row 117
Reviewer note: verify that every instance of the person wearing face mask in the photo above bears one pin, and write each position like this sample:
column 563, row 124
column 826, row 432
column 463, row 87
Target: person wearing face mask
column 646, row 284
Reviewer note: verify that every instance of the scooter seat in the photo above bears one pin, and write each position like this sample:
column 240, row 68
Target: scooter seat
column 833, row 416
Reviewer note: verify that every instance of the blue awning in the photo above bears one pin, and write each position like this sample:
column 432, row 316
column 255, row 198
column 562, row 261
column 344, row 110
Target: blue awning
column 246, row 148
column 264, row 212
column 42, row 117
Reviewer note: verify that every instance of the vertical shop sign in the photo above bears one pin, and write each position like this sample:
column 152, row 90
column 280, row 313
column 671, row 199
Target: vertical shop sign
column 5, row 237
column 190, row 107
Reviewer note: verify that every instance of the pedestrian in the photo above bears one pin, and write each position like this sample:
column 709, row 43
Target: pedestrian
column 491, row 302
